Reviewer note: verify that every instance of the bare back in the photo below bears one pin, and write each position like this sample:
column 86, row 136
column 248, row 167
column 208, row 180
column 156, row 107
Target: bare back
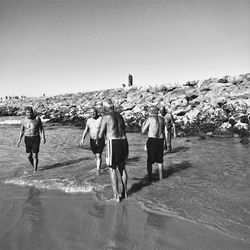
column 169, row 120
column 155, row 125
column 113, row 126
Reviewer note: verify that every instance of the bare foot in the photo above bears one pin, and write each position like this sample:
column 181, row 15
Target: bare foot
column 115, row 199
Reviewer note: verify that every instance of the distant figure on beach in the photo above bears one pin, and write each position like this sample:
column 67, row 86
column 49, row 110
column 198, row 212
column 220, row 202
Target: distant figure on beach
column 31, row 128
column 113, row 127
column 170, row 124
column 92, row 127
column 156, row 128
column 130, row 80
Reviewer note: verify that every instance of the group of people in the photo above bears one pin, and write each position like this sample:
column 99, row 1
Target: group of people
column 109, row 130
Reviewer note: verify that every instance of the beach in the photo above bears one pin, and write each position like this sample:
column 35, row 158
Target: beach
column 201, row 203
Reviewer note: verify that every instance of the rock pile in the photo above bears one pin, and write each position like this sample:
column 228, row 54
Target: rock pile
column 212, row 106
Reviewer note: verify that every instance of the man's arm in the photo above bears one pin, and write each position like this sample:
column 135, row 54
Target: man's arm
column 173, row 124
column 165, row 136
column 103, row 127
column 41, row 130
column 21, row 134
column 145, row 126
column 86, row 130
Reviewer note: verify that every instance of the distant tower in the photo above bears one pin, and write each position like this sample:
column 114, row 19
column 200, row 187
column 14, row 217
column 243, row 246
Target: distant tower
column 130, row 80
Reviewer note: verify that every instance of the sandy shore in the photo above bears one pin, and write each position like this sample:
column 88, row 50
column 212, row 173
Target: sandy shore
column 64, row 205
column 38, row 219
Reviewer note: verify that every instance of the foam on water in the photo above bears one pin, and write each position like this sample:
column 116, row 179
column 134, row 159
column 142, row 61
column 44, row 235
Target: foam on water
column 65, row 185
column 17, row 122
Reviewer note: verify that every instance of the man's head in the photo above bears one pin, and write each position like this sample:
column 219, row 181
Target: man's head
column 153, row 110
column 29, row 112
column 94, row 112
column 163, row 110
column 108, row 105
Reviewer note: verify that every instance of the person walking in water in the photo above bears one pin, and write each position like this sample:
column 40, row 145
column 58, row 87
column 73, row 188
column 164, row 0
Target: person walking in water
column 92, row 127
column 170, row 124
column 113, row 127
column 155, row 125
column 31, row 128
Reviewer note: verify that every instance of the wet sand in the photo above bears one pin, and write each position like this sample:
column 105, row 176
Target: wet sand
column 64, row 205
column 40, row 219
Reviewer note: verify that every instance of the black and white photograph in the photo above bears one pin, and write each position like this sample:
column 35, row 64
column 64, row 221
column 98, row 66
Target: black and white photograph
column 124, row 124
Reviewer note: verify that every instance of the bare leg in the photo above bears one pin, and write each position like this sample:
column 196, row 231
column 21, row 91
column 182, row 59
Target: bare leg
column 160, row 166
column 149, row 169
column 124, row 178
column 114, row 182
column 35, row 161
column 30, row 158
column 98, row 159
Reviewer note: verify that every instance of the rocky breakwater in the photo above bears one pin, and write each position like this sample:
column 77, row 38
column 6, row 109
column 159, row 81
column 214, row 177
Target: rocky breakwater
column 213, row 107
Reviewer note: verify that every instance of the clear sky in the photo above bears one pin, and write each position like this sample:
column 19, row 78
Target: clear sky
column 57, row 46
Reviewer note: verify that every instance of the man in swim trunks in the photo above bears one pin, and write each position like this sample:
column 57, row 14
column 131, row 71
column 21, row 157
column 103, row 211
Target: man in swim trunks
column 31, row 128
column 113, row 127
column 155, row 125
column 92, row 127
column 170, row 124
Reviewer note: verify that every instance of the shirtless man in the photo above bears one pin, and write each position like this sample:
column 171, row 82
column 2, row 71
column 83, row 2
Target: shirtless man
column 155, row 125
column 170, row 124
column 31, row 128
column 92, row 127
column 113, row 127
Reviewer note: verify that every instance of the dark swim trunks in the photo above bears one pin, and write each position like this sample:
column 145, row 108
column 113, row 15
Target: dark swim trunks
column 32, row 143
column 116, row 152
column 97, row 149
column 155, row 148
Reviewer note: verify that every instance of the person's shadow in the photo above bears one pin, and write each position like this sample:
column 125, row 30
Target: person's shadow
column 63, row 164
column 166, row 173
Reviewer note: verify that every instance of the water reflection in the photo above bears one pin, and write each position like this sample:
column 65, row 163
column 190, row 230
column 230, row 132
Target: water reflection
column 27, row 226
column 32, row 210
column 119, row 236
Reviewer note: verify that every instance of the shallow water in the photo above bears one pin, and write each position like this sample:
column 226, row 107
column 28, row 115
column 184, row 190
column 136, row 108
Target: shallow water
column 205, row 181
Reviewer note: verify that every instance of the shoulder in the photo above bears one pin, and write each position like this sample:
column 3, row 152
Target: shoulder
column 37, row 119
column 168, row 116
column 150, row 119
column 104, row 118
column 89, row 121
